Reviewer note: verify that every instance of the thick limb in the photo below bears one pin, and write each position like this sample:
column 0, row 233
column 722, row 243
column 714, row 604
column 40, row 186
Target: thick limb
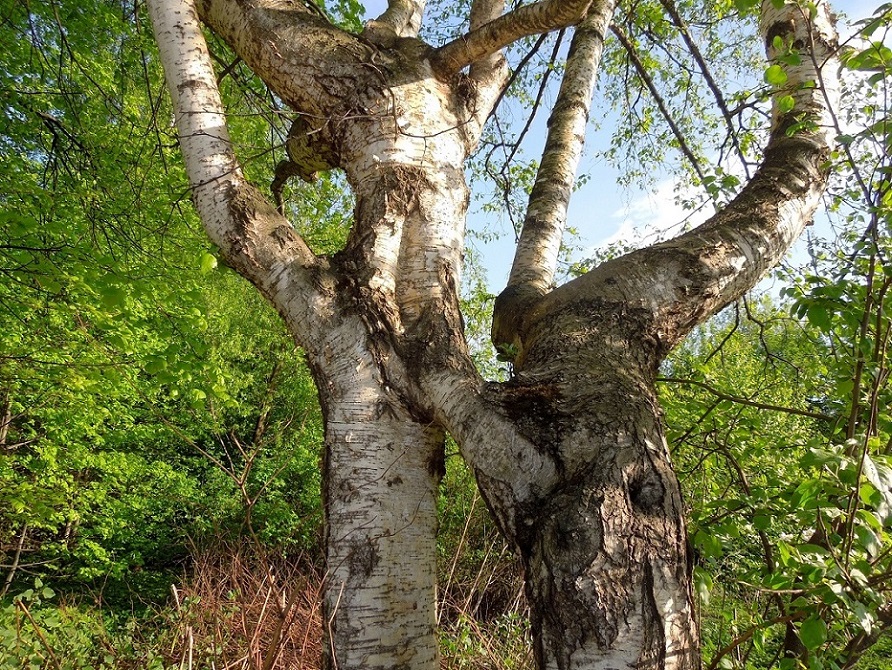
column 681, row 282
column 536, row 257
column 402, row 18
column 539, row 17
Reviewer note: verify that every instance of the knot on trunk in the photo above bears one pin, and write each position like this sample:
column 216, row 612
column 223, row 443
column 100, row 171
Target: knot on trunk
column 310, row 151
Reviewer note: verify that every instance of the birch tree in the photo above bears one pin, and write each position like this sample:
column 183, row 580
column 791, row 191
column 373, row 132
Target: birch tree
column 569, row 454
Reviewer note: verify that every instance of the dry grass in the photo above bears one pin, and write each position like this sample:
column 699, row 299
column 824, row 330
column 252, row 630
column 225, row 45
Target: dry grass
column 241, row 610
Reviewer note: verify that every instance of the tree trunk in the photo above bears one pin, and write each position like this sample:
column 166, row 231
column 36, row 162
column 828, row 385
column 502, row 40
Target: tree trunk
column 381, row 474
column 593, row 506
column 605, row 551
column 570, row 455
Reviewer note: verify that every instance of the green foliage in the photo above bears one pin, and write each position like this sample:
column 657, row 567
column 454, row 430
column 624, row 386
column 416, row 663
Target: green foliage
column 148, row 398
column 789, row 471
column 36, row 633
column 150, row 402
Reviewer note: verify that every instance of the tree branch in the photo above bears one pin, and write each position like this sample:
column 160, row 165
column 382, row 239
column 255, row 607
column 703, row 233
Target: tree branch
column 539, row 17
column 658, row 99
column 682, row 282
column 503, row 178
column 744, row 401
column 748, row 633
column 305, row 60
column 402, row 18
column 484, row 11
column 491, row 73
column 672, row 10
column 536, row 257
column 252, row 236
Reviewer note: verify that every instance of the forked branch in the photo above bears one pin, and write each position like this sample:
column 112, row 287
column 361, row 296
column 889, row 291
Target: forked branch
column 683, row 281
column 252, row 236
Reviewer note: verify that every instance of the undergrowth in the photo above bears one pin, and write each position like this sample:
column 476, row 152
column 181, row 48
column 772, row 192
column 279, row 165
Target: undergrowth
column 244, row 609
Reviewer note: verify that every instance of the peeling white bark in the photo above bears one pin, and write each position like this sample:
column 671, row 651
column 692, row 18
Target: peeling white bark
column 382, row 467
column 252, row 236
column 309, row 63
column 814, row 37
column 489, row 74
column 382, row 472
column 535, row 261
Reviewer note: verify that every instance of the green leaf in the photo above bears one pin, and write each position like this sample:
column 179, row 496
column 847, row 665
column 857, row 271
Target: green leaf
column 786, row 104
column 775, row 76
column 819, row 316
column 744, row 6
column 813, row 632
column 208, row 262
column 710, row 545
column 865, row 618
column 113, row 296
column 702, row 583
column 761, row 522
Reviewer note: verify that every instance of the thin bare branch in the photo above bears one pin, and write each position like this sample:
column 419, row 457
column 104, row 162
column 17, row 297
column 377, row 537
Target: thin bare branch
column 658, row 99
column 746, row 401
column 747, row 634
column 505, row 172
column 672, row 10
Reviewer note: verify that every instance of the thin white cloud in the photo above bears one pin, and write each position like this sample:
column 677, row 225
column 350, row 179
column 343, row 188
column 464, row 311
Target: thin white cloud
column 655, row 215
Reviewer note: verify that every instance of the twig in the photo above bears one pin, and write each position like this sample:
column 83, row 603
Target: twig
column 21, row 605
column 672, row 10
column 658, row 99
column 744, row 401
column 747, row 634
column 13, row 568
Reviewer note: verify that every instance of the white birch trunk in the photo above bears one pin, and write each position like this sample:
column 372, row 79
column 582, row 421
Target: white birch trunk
column 536, row 257
column 382, row 466
column 570, row 455
column 381, row 474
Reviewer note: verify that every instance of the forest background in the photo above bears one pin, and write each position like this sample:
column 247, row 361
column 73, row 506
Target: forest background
column 160, row 435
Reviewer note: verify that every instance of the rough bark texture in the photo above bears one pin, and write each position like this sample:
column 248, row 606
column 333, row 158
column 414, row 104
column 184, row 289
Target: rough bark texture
column 570, row 454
